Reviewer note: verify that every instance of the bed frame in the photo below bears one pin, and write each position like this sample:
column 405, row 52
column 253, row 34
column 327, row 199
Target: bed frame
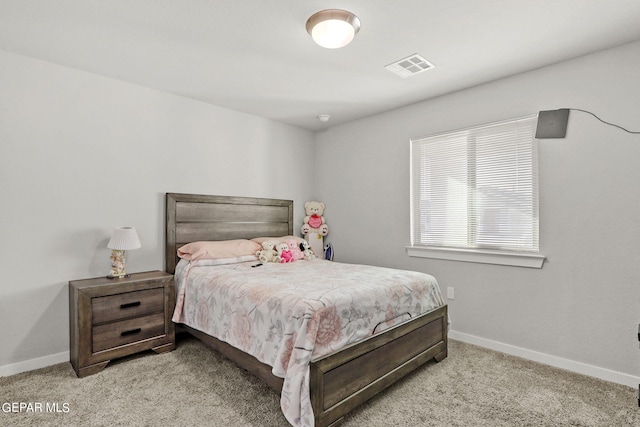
column 339, row 381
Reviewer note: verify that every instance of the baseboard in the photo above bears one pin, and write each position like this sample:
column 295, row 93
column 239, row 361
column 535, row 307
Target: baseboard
column 547, row 359
column 30, row 365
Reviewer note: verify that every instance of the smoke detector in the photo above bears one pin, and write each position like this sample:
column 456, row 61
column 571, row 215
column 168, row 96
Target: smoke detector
column 410, row 66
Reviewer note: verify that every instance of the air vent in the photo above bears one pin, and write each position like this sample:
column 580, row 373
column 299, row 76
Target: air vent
column 410, row 66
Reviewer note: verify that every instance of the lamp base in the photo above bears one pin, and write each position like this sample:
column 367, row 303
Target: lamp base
column 117, row 264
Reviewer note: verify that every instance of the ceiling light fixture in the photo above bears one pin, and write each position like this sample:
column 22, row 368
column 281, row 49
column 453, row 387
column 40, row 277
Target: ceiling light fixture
column 333, row 28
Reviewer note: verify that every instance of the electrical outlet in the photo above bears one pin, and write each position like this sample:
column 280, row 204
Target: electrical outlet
column 450, row 293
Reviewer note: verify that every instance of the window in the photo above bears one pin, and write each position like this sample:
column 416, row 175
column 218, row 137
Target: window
column 476, row 190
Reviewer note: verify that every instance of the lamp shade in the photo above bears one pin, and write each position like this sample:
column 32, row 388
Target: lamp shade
column 124, row 239
column 333, row 28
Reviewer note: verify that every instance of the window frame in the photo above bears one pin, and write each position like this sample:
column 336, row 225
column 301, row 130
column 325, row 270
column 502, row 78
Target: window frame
column 475, row 253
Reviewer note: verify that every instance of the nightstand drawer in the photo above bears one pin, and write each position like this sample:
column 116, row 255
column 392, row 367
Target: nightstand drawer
column 115, row 334
column 130, row 304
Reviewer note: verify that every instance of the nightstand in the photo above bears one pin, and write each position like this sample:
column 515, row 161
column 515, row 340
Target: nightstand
column 111, row 318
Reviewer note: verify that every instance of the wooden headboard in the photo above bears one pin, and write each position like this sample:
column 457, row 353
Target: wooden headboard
column 196, row 217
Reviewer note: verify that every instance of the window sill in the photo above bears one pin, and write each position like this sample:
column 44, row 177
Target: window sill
column 515, row 259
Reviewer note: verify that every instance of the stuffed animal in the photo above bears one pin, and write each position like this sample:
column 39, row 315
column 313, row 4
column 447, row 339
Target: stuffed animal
column 267, row 253
column 314, row 221
column 295, row 250
column 284, row 253
column 307, row 254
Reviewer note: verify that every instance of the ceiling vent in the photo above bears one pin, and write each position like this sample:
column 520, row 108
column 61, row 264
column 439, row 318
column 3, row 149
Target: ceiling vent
column 410, row 66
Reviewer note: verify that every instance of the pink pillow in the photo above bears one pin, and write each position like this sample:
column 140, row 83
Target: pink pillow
column 218, row 249
column 223, row 261
column 276, row 240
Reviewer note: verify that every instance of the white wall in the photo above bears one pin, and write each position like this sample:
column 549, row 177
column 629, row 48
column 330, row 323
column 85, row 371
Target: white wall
column 81, row 154
column 584, row 304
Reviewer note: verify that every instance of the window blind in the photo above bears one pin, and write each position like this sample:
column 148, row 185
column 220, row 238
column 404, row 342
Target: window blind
column 477, row 188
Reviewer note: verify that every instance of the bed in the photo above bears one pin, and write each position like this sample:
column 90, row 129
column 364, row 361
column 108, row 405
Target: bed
column 338, row 380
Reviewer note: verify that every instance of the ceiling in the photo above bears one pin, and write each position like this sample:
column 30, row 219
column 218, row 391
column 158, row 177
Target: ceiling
column 255, row 56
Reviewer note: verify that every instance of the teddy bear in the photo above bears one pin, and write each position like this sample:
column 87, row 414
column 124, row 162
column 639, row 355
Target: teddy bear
column 267, row 253
column 314, row 221
column 307, row 254
column 284, row 253
column 295, row 250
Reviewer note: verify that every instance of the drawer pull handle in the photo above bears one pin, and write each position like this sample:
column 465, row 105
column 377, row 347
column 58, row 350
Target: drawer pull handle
column 131, row 332
column 130, row 304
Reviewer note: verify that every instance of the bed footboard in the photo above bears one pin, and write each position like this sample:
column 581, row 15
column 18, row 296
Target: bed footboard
column 342, row 380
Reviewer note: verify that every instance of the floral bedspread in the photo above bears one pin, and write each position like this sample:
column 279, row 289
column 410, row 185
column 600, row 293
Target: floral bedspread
column 287, row 314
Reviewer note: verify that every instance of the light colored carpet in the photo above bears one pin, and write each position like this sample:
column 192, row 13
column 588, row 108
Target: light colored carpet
column 193, row 386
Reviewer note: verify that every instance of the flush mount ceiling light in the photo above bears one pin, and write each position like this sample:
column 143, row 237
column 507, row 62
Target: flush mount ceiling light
column 333, row 28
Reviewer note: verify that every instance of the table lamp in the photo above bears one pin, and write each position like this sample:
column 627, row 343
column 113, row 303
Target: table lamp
column 123, row 239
